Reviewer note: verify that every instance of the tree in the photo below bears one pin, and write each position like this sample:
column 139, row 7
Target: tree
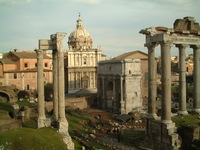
column 48, row 91
column 23, row 94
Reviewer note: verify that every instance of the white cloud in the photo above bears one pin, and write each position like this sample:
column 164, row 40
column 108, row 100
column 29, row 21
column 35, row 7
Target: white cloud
column 14, row 2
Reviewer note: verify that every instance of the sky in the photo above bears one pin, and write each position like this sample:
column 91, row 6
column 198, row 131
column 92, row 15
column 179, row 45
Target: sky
column 113, row 24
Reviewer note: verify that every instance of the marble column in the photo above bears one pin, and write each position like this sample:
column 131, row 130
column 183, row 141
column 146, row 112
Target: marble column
column 182, row 80
column 122, row 96
column 196, row 77
column 151, row 82
column 40, row 89
column 61, row 91
column 55, row 85
column 166, row 82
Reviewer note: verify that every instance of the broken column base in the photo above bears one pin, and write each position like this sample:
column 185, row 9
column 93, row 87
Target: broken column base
column 182, row 112
column 197, row 110
column 161, row 136
column 43, row 122
column 63, row 130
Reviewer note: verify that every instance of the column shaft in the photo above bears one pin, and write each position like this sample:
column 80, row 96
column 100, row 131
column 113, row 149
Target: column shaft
column 182, row 80
column 55, row 84
column 40, row 84
column 151, row 82
column 122, row 95
column 196, row 76
column 40, row 89
column 61, row 91
column 166, row 82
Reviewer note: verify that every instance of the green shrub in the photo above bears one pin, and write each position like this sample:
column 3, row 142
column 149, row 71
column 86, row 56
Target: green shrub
column 6, row 106
column 48, row 91
column 22, row 94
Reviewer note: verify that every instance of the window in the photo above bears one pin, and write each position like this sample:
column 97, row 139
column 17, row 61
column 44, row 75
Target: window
column 35, row 64
column 84, row 61
column 15, row 76
column 46, row 65
column 27, row 87
column 26, row 65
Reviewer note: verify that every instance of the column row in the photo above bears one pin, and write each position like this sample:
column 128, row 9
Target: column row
column 166, row 80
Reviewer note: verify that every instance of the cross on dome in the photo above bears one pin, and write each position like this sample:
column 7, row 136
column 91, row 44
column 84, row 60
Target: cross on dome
column 79, row 21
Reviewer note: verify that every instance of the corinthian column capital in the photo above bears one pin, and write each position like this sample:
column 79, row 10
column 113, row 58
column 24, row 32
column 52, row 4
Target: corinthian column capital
column 151, row 46
column 195, row 47
column 39, row 53
column 182, row 46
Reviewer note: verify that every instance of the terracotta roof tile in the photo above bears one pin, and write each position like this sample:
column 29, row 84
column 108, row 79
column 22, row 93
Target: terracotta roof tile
column 125, row 55
column 28, row 55
column 6, row 61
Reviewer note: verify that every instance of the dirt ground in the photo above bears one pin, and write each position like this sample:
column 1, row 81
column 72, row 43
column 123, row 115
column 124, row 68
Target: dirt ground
column 107, row 117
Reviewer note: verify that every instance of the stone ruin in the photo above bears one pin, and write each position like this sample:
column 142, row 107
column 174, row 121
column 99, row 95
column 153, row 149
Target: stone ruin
column 161, row 132
column 54, row 44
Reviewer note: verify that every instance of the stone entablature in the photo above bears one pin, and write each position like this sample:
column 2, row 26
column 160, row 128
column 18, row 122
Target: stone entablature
column 173, row 37
column 119, row 85
column 120, row 67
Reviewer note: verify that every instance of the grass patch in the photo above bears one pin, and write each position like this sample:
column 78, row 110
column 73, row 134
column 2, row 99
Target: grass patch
column 32, row 123
column 132, row 138
column 186, row 120
column 76, row 122
column 34, row 139
column 6, row 107
column 25, row 103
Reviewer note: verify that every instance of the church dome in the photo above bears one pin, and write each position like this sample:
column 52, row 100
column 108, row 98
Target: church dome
column 80, row 37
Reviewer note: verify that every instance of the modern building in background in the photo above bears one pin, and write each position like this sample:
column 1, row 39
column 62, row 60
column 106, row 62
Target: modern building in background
column 20, row 69
column 81, row 61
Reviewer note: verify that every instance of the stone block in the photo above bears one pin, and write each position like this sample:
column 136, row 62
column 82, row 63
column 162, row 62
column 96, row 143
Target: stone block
column 161, row 135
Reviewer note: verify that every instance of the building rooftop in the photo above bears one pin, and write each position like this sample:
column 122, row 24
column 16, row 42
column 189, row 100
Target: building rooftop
column 26, row 54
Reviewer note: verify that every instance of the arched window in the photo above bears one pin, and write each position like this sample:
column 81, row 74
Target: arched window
column 85, row 60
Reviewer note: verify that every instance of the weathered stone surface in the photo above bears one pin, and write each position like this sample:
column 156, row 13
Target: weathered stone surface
column 59, row 95
column 63, row 130
column 117, row 82
column 186, row 24
column 161, row 135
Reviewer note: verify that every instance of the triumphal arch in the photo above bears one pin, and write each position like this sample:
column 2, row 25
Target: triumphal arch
column 184, row 34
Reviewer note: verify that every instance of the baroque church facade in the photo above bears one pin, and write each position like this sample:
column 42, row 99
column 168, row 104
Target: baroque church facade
column 81, row 61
